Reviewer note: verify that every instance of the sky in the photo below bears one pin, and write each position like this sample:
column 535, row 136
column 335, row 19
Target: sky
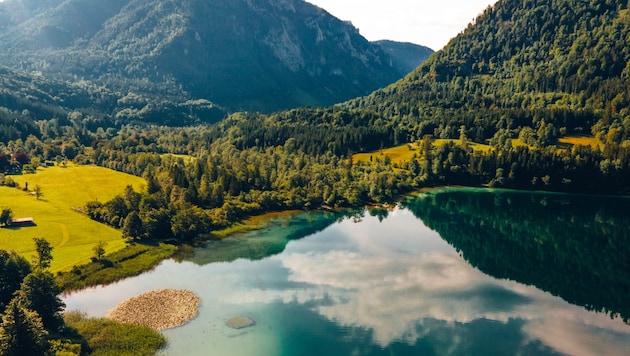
column 425, row 22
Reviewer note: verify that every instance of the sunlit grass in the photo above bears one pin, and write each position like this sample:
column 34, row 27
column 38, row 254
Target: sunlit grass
column 516, row 142
column 71, row 234
column 476, row 147
column 397, row 154
column 406, row 152
column 581, row 140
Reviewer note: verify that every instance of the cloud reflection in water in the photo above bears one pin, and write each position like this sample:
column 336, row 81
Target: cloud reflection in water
column 397, row 278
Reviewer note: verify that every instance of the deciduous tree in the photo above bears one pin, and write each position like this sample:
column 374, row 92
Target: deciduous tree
column 132, row 227
column 6, row 216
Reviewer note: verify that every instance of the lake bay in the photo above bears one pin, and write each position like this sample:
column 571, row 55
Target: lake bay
column 451, row 271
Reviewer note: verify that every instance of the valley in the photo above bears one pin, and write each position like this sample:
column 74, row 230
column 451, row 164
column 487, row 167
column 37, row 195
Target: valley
column 150, row 130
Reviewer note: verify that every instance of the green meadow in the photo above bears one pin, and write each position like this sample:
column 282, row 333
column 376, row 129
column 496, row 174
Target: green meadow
column 581, row 140
column 405, row 152
column 71, row 234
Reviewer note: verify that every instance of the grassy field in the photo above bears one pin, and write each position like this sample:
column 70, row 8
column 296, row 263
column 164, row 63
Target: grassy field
column 581, row 140
column 405, row 152
column 396, row 154
column 71, row 234
column 475, row 146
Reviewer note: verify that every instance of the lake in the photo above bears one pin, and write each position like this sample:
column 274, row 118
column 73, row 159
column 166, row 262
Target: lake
column 450, row 271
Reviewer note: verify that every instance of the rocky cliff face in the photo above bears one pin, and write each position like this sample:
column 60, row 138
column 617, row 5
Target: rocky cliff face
column 243, row 54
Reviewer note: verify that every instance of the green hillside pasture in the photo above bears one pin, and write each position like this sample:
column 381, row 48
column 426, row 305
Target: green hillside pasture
column 396, row 154
column 71, row 234
column 568, row 141
column 476, row 147
column 402, row 153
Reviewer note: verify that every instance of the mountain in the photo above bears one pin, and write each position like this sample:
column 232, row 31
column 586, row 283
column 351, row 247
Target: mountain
column 528, row 69
column 26, row 98
column 241, row 54
column 405, row 55
column 545, row 83
column 537, row 67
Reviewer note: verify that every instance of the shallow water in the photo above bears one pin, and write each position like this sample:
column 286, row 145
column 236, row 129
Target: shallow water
column 383, row 283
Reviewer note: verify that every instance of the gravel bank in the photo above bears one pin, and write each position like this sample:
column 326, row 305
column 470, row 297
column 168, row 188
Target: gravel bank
column 158, row 309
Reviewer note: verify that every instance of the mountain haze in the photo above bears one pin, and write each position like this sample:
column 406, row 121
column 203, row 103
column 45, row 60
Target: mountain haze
column 240, row 54
column 405, row 55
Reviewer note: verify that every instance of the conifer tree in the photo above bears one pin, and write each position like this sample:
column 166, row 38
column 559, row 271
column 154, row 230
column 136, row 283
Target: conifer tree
column 22, row 332
column 38, row 292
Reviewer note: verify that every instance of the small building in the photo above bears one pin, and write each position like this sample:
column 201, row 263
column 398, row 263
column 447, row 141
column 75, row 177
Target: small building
column 29, row 221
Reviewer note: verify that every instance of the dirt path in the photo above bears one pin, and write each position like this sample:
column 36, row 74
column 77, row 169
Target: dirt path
column 66, row 235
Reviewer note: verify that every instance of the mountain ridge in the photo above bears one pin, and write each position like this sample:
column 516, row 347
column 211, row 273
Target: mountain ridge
column 244, row 55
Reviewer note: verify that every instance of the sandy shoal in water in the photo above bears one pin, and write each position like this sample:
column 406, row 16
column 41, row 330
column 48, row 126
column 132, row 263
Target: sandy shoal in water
column 158, row 309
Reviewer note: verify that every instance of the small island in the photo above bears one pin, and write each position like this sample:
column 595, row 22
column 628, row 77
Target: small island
column 157, row 309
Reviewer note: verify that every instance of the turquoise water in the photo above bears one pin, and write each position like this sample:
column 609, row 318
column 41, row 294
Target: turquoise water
column 384, row 283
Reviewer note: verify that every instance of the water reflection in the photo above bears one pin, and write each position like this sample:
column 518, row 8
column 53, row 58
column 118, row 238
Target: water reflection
column 399, row 287
column 576, row 247
column 385, row 285
column 270, row 240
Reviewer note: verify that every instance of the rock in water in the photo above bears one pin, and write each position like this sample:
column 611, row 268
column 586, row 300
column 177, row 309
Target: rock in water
column 240, row 322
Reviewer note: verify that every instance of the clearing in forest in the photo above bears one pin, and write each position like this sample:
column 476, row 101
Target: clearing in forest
column 402, row 153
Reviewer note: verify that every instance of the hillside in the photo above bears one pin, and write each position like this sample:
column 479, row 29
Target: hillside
column 556, row 66
column 530, row 70
column 543, row 85
column 72, row 234
column 533, row 70
column 243, row 55
column 405, row 55
column 26, row 98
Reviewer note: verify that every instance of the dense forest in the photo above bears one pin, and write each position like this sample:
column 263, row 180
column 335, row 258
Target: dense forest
column 531, row 71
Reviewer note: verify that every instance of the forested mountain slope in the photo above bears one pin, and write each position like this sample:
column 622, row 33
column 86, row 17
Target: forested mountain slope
column 528, row 69
column 405, row 55
column 522, row 64
column 28, row 98
column 241, row 54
